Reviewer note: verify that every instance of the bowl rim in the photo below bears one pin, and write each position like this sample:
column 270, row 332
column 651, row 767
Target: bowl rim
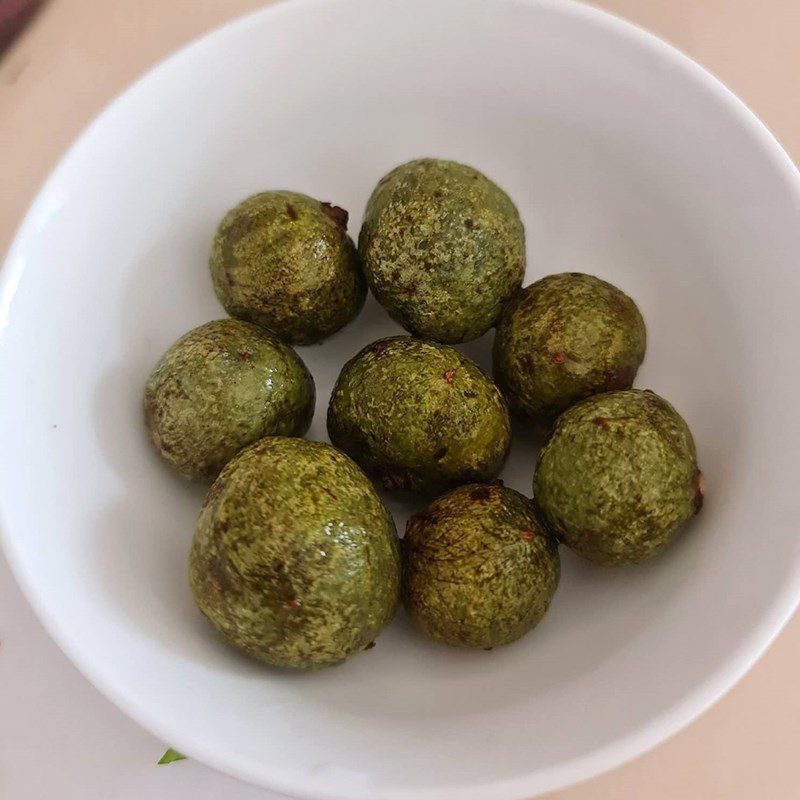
column 582, row 768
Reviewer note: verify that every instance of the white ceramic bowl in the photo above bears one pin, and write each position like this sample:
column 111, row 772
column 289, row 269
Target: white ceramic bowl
column 626, row 160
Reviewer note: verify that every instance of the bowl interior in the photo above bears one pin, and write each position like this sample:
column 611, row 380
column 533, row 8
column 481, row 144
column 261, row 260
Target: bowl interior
column 626, row 161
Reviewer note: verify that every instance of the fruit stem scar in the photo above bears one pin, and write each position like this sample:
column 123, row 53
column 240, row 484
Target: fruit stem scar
column 338, row 215
column 699, row 491
column 393, row 480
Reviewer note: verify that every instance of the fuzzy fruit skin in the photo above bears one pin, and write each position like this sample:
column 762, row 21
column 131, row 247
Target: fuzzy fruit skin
column 280, row 260
column 618, row 477
column 295, row 560
column 221, row 387
column 419, row 416
column 564, row 338
column 478, row 568
column 443, row 249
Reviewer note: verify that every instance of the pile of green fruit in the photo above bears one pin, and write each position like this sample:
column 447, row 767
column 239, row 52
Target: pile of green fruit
column 295, row 559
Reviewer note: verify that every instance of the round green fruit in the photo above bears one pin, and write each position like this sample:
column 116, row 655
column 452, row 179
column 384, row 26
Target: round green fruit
column 618, row 477
column 443, row 249
column 565, row 338
column 478, row 569
column 221, row 387
column 419, row 416
column 284, row 261
column 295, row 560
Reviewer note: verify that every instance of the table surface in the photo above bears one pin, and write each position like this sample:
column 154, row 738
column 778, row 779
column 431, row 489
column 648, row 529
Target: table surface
column 59, row 738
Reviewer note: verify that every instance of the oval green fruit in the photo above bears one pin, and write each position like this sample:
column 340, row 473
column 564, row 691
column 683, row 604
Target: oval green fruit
column 478, row 569
column 419, row 416
column 284, row 261
column 443, row 249
column 221, row 387
column 295, row 560
column 618, row 477
column 564, row 338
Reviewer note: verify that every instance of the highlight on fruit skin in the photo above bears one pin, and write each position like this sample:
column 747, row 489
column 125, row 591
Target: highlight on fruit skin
column 479, row 570
column 618, row 477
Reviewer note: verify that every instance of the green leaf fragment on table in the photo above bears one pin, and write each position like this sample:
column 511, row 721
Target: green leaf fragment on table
column 170, row 756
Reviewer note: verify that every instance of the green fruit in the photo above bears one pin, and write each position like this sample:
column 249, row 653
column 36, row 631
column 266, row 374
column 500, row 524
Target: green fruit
column 618, row 477
column 419, row 416
column 221, row 387
column 443, row 249
column 564, row 338
column 284, row 261
column 295, row 560
column 478, row 570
